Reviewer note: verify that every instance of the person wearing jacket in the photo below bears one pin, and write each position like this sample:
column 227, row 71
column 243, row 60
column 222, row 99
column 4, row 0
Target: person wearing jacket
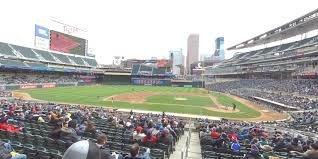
column 7, row 152
column 69, row 134
column 134, row 153
column 105, row 153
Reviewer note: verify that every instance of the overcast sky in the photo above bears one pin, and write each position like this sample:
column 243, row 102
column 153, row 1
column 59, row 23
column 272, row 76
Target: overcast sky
column 147, row 28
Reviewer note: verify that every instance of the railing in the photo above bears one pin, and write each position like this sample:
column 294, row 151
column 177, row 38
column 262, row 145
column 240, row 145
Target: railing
column 185, row 149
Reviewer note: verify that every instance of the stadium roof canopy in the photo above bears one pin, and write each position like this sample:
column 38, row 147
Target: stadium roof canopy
column 298, row 26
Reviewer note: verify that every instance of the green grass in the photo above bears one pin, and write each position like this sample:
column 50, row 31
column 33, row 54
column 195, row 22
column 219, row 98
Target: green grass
column 228, row 101
column 190, row 100
column 94, row 95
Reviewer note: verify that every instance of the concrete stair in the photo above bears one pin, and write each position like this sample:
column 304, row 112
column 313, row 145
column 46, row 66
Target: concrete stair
column 180, row 146
column 194, row 150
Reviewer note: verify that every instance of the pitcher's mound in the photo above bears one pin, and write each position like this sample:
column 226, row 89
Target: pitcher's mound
column 181, row 99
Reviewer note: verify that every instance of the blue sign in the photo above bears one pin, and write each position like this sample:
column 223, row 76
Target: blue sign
column 42, row 32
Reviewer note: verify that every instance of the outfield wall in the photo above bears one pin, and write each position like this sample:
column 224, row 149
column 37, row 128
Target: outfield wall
column 151, row 82
column 166, row 82
column 114, row 79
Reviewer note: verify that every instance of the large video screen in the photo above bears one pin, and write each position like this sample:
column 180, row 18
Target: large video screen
column 67, row 43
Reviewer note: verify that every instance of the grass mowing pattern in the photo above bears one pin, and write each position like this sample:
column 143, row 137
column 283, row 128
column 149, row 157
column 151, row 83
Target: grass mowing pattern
column 190, row 100
column 228, row 101
column 93, row 95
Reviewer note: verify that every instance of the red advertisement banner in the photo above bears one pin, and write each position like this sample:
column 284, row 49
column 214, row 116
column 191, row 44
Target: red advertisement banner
column 48, row 86
column 28, row 86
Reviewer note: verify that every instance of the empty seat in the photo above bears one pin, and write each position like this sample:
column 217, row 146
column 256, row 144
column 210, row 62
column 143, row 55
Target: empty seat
column 46, row 55
column 35, row 64
column 77, row 60
column 11, row 62
column 62, row 58
column 26, row 52
column 91, row 62
column 5, row 49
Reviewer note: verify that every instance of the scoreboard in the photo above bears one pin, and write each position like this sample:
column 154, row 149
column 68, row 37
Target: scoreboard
column 67, row 43
column 54, row 34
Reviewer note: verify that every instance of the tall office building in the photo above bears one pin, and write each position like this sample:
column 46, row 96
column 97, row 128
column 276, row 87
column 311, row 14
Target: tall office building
column 219, row 48
column 193, row 51
column 177, row 61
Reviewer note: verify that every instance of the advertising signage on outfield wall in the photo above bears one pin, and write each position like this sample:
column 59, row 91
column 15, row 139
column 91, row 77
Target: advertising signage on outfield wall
column 48, row 85
column 154, row 82
column 28, row 86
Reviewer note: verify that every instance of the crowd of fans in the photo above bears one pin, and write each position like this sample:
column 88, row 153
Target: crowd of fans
column 21, row 78
column 294, row 93
column 247, row 140
column 111, row 134
column 73, row 123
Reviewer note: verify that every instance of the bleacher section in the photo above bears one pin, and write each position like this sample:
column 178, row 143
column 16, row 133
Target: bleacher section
column 7, row 62
column 145, row 68
column 91, row 62
column 46, row 55
column 142, row 69
column 35, row 64
column 16, row 52
column 5, row 49
column 159, row 71
column 26, row 52
column 62, row 58
column 77, row 60
column 281, row 56
column 135, row 69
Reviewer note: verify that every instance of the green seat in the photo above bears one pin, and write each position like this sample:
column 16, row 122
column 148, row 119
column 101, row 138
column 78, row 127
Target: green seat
column 46, row 55
column 62, row 58
column 5, row 49
column 26, row 52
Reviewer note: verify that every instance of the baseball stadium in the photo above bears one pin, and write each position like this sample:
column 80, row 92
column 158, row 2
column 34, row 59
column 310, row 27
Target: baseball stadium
column 57, row 102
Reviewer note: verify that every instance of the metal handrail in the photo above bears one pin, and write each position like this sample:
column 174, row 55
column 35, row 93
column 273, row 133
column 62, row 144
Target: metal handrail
column 185, row 149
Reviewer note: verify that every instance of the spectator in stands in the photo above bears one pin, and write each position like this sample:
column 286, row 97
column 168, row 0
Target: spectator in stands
column 81, row 128
column 134, row 153
column 294, row 146
column 306, row 145
column 4, row 152
column 69, row 134
column 215, row 134
column 90, row 128
column 138, row 135
column 268, row 152
column 7, row 152
column 165, row 138
column 149, row 138
column 312, row 153
column 101, row 141
column 254, row 153
column 84, row 149
column 56, row 133
column 235, row 146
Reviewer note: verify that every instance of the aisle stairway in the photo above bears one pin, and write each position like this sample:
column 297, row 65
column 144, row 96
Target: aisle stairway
column 194, row 149
column 180, row 146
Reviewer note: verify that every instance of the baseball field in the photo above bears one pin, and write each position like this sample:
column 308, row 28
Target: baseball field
column 154, row 98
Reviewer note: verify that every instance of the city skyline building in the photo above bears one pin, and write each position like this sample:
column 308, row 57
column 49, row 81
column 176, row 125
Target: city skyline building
column 192, row 51
column 177, row 61
column 219, row 48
